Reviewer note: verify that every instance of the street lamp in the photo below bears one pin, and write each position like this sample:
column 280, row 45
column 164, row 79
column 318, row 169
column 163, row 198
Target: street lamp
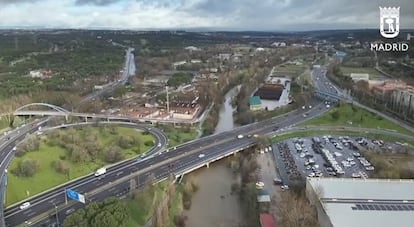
column 56, row 213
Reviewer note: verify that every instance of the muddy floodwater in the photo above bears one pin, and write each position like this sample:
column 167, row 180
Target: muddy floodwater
column 213, row 204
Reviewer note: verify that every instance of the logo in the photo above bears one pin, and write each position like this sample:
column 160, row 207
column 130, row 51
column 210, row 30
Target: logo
column 389, row 28
column 389, row 22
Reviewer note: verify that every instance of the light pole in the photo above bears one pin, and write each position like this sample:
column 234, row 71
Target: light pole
column 56, row 213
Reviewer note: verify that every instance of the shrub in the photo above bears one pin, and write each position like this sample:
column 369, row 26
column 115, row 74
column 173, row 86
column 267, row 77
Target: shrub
column 26, row 168
column 60, row 167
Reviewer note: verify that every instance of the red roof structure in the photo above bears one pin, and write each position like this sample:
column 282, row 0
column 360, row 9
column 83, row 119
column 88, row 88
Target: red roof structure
column 267, row 220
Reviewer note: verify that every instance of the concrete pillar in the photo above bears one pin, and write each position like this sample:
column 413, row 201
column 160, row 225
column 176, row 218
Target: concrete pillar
column 235, row 154
column 208, row 165
column 86, row 119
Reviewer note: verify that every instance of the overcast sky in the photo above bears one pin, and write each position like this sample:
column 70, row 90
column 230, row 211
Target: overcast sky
column 273, row 15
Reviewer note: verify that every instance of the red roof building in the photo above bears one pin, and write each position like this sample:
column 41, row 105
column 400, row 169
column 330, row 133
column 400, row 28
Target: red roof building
column 267, row 220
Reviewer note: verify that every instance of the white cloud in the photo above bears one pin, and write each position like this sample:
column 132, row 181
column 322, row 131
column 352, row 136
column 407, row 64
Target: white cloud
column 238, row 14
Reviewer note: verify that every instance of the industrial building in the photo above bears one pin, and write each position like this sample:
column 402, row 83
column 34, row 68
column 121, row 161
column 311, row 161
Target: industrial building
column 402, row 103
column 344, row 202
column 270, row 91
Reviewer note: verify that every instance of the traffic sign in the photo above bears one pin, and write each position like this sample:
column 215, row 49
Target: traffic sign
column 75, row 196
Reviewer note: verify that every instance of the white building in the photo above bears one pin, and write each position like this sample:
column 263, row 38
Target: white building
column 278, row 44
column 345, row 202
column 359, row 76
column 191, row 48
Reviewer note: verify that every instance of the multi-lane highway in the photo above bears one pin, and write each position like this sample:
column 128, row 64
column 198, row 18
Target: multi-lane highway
column 176, row 160
column 15, row 211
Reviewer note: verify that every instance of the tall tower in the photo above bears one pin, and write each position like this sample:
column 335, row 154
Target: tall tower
column 168, row 100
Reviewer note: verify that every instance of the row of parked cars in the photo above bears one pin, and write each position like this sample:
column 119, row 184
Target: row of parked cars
column 289, row 162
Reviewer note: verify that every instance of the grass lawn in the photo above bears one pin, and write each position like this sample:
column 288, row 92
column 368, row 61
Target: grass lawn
column 19, row 188
column 371, row 71
column 346, row 113
column 178, row 136
column 287, row 135
column 290, row 68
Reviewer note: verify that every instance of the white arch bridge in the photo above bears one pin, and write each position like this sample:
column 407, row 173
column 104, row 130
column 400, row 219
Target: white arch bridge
column 54, row 110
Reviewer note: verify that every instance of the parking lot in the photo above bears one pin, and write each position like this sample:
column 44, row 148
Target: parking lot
column 324, row 156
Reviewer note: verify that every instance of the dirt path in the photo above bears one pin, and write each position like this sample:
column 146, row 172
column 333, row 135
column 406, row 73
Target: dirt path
column 212, row 204
column 267, row 174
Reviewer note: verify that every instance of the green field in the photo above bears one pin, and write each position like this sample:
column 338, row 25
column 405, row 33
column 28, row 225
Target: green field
column 19, row 188
column 371, row 71
column 346, row 113
column 178, row 136
column 297, row 69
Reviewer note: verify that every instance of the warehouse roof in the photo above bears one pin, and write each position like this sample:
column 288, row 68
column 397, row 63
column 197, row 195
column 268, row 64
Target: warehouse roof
column 366, row 202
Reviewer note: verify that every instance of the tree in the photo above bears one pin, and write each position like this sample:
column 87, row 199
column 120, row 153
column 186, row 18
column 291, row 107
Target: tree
column 113, row 154
column 335, row 115
column 120, row 91
column 61, row 167
column 30, row 143
column 26, row 168
column 125, row 141
column 110, row 212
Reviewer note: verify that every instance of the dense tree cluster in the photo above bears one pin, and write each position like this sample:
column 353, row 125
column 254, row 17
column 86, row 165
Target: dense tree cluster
column 71, row 57
column 30, row 143
column 85, row 146
column 110, row 212
column 26, row 168
column 178, row 79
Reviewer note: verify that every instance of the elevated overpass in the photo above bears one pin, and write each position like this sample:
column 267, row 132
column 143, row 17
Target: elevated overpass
column 57, row 111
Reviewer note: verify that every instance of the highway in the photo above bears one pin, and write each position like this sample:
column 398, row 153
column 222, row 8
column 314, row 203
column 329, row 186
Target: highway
column 211, row 146
column 128, row 70
column 176, row 161
column 89, row 179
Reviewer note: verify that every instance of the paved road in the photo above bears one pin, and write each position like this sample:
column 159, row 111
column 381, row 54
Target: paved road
column 128, row 70
column 186, row 156
column 14, row 211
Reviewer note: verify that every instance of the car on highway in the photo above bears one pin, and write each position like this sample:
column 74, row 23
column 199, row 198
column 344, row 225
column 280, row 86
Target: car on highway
column 25, row 205
column 201, row 155
column 159, row 145
column 240, row 136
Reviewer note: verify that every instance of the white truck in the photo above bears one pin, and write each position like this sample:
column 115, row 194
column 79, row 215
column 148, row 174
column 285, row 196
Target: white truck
column 100, row 171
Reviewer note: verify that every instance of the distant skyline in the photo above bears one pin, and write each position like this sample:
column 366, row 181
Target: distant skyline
column 233, row 15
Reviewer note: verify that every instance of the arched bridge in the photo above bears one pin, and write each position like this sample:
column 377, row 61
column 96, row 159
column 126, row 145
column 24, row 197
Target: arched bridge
column 54, row 110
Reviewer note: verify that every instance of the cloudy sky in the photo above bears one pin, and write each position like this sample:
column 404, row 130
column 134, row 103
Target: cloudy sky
column 273, row 15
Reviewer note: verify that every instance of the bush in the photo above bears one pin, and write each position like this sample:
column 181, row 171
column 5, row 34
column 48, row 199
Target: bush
column 26, row 168
column 60, row 167
column 149, row 143
column 125, row 141
column 113, row 154
column 335, row 115
column 30, row 143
